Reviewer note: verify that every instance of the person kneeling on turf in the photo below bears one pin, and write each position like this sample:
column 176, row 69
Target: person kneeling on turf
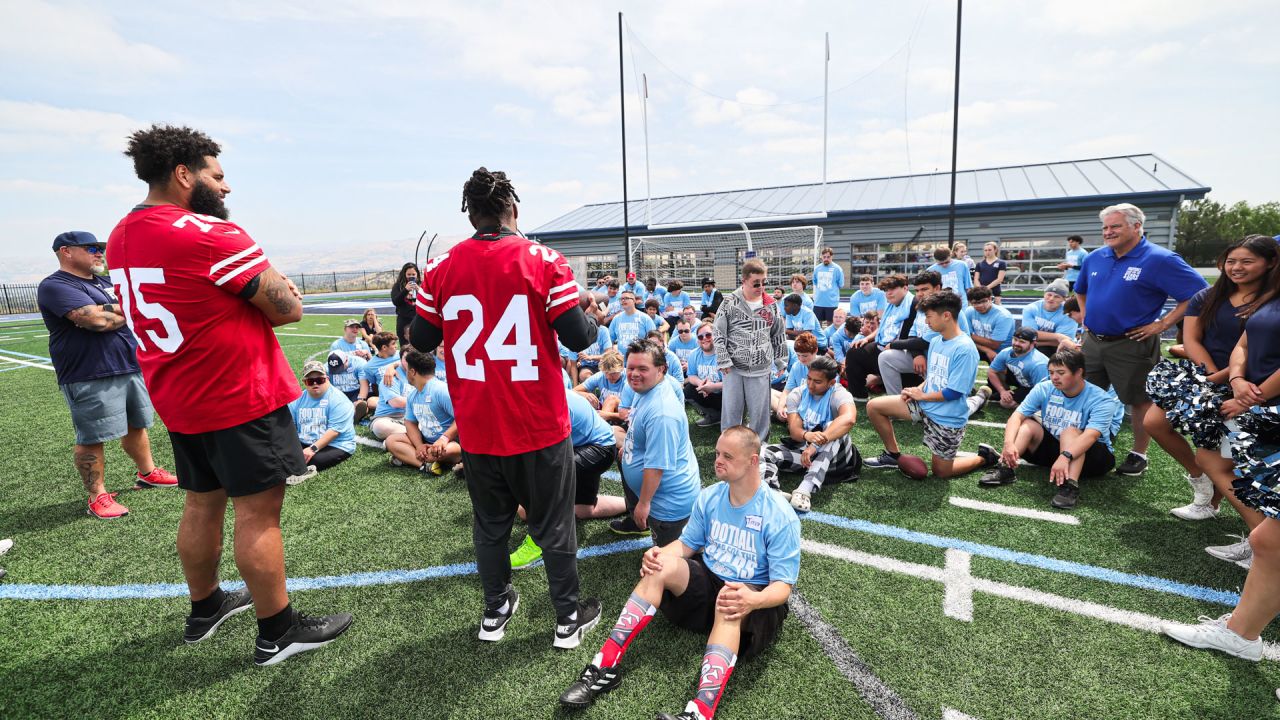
column 1073, row 436
column 730, row 574
column 820, row 414
column 429, row 441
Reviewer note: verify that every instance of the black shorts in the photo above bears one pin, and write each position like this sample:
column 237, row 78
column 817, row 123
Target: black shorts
column 589, row 461
column 243, row 460
column 1098, row 460
column 352, row 395
column 695, row 610
column 824, row 314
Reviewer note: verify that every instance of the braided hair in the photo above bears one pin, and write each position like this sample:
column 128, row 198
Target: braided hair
column 488, row 195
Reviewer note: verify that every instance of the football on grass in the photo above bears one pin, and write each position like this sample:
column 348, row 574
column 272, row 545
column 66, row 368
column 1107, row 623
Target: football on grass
column 912, row 466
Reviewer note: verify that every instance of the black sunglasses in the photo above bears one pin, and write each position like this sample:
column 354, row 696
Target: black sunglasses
column 315, row 381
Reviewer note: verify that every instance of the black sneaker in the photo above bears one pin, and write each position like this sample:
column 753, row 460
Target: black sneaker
column 203, row 628
column 708, row 421
column 883, row 460
column 1067, row 497
column 997, row 476
column 592, row 682
column 306, row 633
column 1135, row 464
column 569, row 633
column 494, row 623
column 988, row 454
column 627, row 526
column 686, row 715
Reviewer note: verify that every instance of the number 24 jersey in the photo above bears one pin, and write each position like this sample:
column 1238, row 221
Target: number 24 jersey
column 494, row 298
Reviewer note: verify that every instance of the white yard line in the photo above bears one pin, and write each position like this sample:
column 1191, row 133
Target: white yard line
column 28, row 363
column 1014, row 511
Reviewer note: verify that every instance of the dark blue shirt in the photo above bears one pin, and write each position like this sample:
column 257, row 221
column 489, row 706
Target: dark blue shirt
column 1129, row 292
column 80, row 354
column 1220, row 333
column 1263, row 327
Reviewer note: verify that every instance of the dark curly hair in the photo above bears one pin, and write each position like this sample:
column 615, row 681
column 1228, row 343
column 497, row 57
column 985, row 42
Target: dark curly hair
column 159, row 149
column 488, row 194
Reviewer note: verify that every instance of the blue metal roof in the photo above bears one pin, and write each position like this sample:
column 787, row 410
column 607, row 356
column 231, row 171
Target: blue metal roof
column 1045, row 184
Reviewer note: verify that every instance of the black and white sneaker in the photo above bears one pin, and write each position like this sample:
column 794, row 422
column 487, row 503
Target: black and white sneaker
column 233, row 603
column 591, row 683
column 883, row 460
column 306, row 633
column 1134, row 464
column 988, row 454
column 494, row 623
column 569, row 633
column 1067, row 497
column 997, row 476
column 686, row 715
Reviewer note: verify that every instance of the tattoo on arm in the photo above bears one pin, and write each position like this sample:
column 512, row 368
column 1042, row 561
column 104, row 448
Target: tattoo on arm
column 281, row 299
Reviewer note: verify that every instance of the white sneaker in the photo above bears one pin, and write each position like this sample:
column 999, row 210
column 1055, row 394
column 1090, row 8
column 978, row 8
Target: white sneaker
column 1234, row 552
column 800, row 501
column 299, row 479
column 1199, row 509
column 1214, row 634
column 1246, row 563
column 5, row 544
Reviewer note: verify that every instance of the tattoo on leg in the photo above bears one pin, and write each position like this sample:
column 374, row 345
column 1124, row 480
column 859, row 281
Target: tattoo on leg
column 86, row 464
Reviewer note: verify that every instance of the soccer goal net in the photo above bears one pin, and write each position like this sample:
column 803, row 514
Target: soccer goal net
column 690, row 257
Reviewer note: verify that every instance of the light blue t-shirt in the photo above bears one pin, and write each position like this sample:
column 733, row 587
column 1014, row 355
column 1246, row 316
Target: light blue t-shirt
column 796, row 376
column 1029, row 369
column 860, row 303
column 704, row 365
column 956, row 278
column 757, row 543
column 313, row 417
column 683, row 349
column 1034, row 315
column 441, row 374
column 599, row 385
column 894, row 316
column 673, row 367
column 806, row 321
column 658, row 439
column 346, row 347
column 386, row 393
column 1091, row 409
column 565, row 352
column 952, row 364
column 658, row 292
column 349, row 380
column 996, row 324
column 431, row 408
column 677, row 302
column 635, row 288
column 586, row 427
column 839, row 341
column 827, row 281
column 1075, row 258
column 372, row 370
column 627, row 329
column 627, row 398
column 603, row 342
column 920, row 328
column 805, row 299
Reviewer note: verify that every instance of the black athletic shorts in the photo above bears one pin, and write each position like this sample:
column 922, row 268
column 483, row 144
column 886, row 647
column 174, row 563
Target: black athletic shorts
column 1097, row 461
column 243, row 460
column 695, row 610
column 589, row 461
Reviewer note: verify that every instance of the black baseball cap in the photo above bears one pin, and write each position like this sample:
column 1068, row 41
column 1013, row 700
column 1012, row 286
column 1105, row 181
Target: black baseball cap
column 77, row 238
column 1026, row 333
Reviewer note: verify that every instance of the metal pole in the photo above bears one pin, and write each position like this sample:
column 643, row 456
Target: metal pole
column 955, row 133
column 622, row 101
column 826, row 84
column 648, row 184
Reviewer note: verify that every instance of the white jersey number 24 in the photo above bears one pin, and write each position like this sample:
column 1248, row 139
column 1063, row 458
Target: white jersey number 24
column 513, row 323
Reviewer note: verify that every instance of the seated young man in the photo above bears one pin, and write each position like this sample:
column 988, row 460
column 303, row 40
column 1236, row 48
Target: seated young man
column 393, row 386
column 652, row 309
column 868, row 298
column 1050, row 318
column 940, row 404
column 594, row 451
column 1017, row 369
column 344, row 373
column 384, row 354
column 820, row 415
column 612, row 301
column 729, row 575
column 629, row 325
column 863, row 359
column 991, row 325
column 351, row 342
column 607, row 383
column 841, row 336
column 806, row 350
column 683, row 343
column 800, row 319
column 588, row 359
column 675, row 368
column 323, row 419
column 1073, row 436
column 674, row 302
column 903, row 359
column 704, row 383
column 429, row 441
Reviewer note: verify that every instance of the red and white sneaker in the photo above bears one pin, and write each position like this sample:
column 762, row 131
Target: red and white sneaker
column 159, row 477
column 105, row 507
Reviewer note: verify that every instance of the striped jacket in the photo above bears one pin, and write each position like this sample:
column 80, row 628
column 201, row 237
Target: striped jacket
column 750, row 341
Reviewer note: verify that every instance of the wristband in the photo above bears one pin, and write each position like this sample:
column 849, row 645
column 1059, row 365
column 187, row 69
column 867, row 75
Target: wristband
column 108, row 307
column 313, row 448
column 1233, row 379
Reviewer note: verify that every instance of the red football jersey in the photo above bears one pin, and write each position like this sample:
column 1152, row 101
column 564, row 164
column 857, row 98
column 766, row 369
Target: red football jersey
column 494, row 298
column 210, row 359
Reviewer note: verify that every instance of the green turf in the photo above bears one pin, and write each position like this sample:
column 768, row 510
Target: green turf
column 412, row 651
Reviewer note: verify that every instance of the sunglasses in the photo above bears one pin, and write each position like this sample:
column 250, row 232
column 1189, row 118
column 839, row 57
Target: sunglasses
column 757, row 284
column 704, row 336
column 92, row 249
column 315, row 381
column 684, row 332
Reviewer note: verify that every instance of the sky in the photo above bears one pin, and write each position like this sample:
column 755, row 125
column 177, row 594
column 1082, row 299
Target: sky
column 349, row 127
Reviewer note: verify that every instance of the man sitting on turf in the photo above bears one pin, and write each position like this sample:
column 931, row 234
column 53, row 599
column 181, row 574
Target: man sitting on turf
column 842, row 336
column 607, row 383
column 991, row 325
column 940, row 404
column 820, row 415
column 1073, row 436
column 683, row 343
column 1050, row 318
column 805, row 349
column 1017, row 369
column 801, row 319
column 393, row 386
column 323, row 419
column 629, row 325
column 730, row 575
column 430, row 438
column 351, row 342
column 384, row 354
column 613, row 301
column 704, row 384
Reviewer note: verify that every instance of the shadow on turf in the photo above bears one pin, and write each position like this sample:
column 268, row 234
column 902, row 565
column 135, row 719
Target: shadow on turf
column 45, row 517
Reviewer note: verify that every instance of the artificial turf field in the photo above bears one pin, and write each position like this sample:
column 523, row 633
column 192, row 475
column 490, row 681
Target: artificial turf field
column 412, row 651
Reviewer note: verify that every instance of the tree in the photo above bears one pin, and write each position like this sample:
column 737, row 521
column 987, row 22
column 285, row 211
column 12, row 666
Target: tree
column 1206, row 226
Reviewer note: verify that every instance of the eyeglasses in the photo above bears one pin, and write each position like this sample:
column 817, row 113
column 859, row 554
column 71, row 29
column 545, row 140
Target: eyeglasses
column 684, row 331
column 704, row 336
column 315, row 381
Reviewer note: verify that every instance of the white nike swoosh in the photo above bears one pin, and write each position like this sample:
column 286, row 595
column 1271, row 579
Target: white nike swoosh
column 230, row 232
column 273, row 648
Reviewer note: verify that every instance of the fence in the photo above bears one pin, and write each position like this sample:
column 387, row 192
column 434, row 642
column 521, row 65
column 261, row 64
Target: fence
column 332, row 282
column 15, row 299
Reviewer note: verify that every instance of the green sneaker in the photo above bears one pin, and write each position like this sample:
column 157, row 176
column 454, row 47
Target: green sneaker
column 527, row 554
column 437, row 469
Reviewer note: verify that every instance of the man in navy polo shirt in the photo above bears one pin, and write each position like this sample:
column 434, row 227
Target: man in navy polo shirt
column 1126, row 283
column 94, row 356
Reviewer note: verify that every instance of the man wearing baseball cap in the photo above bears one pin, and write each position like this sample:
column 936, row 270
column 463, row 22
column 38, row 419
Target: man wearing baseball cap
column 1017, row 368
column 93, row 354
column 324, row 419
column 711, row 298
column 351, row 343
column 635, row 287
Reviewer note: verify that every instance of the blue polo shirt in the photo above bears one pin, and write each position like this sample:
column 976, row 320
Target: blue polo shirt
column 1128, row 292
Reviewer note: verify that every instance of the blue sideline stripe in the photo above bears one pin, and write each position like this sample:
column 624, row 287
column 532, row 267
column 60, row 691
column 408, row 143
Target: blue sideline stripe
column 1146, row 582
column 360, row 579
column 41, row 358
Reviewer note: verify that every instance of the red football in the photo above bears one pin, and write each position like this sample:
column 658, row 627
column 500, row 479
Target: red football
column 912, row 466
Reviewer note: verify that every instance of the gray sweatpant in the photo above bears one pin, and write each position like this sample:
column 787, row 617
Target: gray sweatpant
column 749, row 393
column 893, row 364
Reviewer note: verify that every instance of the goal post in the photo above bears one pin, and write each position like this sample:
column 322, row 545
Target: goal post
column 719, row 254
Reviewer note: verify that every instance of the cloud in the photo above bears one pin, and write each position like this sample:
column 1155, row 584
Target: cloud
column 519, row 113
column 1158, row 52
column 76, row 41
column 26, row 125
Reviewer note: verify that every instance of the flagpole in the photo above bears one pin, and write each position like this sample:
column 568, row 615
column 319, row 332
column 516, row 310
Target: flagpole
column 648, row 185
column 826, row 73
column 622, row 100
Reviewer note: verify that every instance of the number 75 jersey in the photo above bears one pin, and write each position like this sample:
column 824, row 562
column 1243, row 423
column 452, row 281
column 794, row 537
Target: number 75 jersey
column 210, row 359
column 494, row 299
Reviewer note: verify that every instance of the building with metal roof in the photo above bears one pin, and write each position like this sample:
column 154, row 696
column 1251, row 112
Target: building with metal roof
column 888, row 224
